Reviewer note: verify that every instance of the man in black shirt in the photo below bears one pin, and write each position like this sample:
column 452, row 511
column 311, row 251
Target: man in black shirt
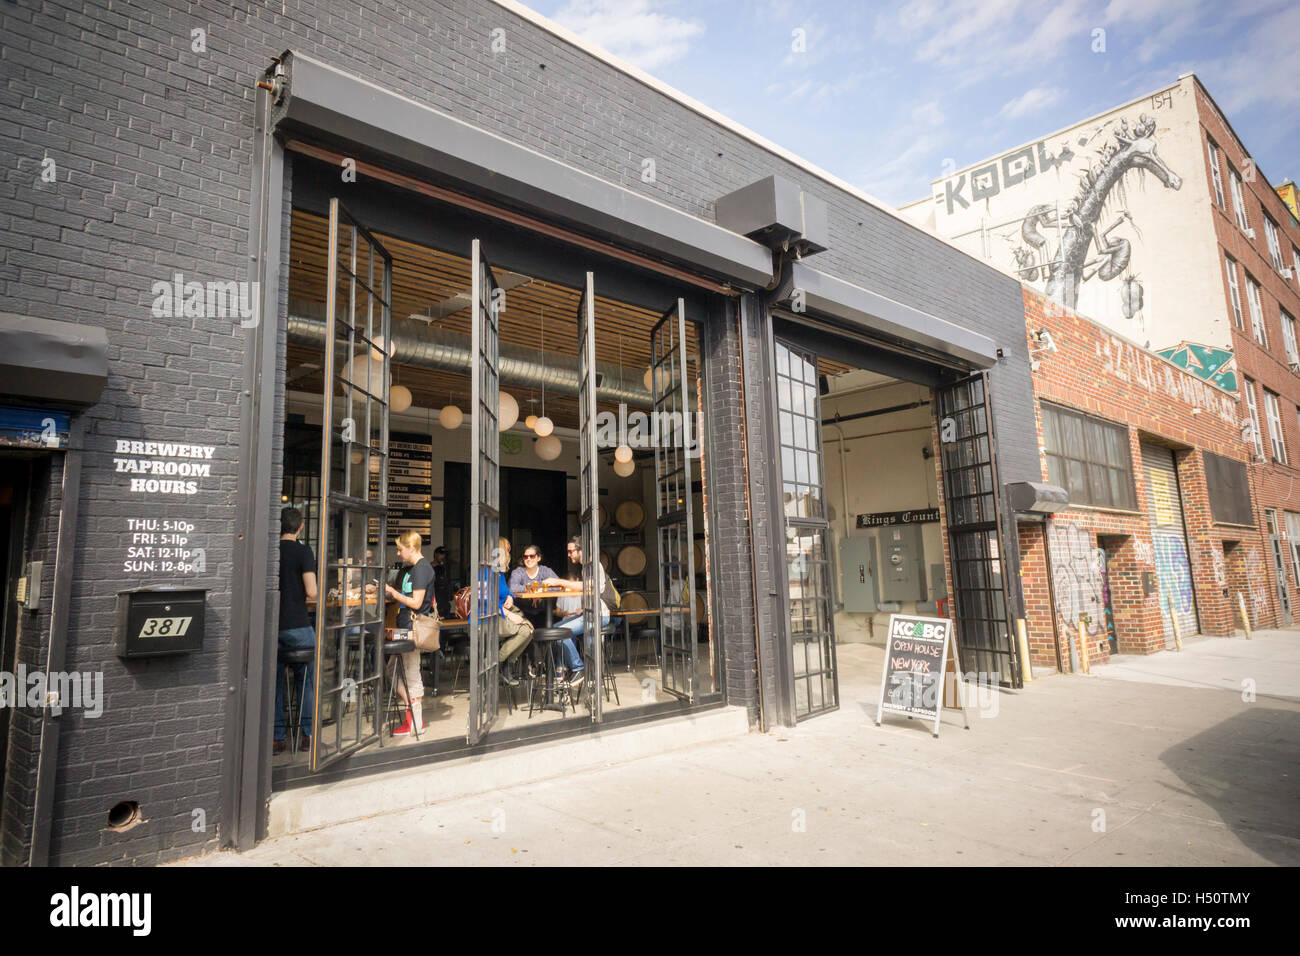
column 297, row 587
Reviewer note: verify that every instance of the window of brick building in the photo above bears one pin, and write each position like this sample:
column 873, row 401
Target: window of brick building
column 1088, row 457
column 1238, row 199
column 1256, row 311
column 1234, row 289
column 1215, row 173
column 1274, row 246
column 1274, row 413
column 1288, row 337
column 1248, row 386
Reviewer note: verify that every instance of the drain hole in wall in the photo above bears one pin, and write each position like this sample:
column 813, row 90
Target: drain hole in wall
column 124, row 816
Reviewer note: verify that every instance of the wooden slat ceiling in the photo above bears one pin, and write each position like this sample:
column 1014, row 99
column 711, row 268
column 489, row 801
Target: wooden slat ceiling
column 424, row 277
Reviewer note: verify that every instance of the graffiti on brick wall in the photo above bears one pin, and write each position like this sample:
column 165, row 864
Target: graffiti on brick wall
column 1142, row 553
column 1076, row 577
column 1257, row 575
column 1136, row 366
column 1175, row 574
column 1220, row 568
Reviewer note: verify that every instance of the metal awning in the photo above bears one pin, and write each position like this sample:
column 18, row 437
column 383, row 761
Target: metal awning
column 50, row 362
column 321, row 98
column 861, row 310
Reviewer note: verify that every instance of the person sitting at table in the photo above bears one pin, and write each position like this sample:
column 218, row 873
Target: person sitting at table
column 532, row 571
column 514, row 630
column 416, row 594
column 574, row 621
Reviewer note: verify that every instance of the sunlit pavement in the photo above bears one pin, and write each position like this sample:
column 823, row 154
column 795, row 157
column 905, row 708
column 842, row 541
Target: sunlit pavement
column 1164, row 760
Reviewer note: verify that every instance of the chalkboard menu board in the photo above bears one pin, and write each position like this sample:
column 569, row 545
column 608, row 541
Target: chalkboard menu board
column 410, row 485
column 916, row 659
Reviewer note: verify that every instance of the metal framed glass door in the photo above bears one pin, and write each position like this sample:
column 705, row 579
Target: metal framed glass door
column 673, row 503
column 809, row 585
column 354, row 493
column 485, row 503
column 976, row 549
column 590, row 496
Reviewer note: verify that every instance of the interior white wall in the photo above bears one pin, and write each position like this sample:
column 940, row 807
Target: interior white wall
column 886, row 472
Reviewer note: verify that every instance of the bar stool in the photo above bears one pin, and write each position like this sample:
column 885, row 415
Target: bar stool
column 546, row 638
column 291, row 660
column 652, row 633
column 606, row 674
column 393, row 651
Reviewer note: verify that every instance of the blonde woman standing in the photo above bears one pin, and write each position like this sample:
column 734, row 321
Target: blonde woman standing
column 414, row 596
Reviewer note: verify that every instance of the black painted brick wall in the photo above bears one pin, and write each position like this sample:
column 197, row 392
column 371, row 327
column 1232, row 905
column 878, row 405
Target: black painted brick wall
column 153, row 145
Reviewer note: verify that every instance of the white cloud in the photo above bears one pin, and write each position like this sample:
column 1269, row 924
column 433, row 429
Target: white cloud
column 1261, row 68
column 630, row 29
column 1031, row 101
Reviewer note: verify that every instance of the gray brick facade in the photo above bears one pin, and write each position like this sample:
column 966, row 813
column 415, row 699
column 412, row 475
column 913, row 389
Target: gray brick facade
column 153, row 145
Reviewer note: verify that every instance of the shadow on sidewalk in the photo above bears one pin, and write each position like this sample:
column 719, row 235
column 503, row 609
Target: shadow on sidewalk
column 1245, row 769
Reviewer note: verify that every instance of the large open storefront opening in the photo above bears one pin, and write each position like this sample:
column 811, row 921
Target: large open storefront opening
column 514, row 421
column 890, row 505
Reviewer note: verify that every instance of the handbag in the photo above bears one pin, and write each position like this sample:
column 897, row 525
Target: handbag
column 461, row 603
column 424, row 631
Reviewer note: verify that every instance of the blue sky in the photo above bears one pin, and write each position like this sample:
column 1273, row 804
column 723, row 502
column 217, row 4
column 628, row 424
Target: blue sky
column 885, row 92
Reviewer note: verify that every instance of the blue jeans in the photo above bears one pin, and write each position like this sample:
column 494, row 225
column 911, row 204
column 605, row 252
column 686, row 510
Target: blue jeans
column 568, row 648
column 304, row 676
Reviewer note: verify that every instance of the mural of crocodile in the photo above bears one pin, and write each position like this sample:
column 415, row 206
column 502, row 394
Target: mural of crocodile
column 1133, row 149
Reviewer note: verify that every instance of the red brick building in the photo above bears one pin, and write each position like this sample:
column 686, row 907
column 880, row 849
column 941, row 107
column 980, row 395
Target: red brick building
column 1258, row 246
column 1159, row 533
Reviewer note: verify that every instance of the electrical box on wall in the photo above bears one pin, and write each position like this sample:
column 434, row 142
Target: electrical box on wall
column 858, row 570
column 902, row 557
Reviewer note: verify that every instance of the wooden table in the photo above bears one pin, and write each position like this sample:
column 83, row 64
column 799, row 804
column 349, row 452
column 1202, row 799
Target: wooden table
column 547, row 595
column 627, row 629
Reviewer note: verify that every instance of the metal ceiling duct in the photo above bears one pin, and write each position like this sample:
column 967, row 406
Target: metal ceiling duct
column 427, row 347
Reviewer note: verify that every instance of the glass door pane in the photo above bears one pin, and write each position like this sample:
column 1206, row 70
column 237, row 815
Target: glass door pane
column 485, row 514
column 673, row 503
column 353, row 494
column 809, row 587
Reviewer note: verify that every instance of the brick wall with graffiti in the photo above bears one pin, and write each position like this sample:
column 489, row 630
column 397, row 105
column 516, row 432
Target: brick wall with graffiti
column 1111, row 218
column 1134, row 576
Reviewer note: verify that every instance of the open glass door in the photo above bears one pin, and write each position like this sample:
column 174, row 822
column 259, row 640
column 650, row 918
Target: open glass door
column 590, row 492
column 809, row 588
column 354, row 493
column 673, row 502
column 975, row 542
column 485, row 520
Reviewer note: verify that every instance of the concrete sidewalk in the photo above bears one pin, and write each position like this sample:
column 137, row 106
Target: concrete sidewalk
column 1155, row 761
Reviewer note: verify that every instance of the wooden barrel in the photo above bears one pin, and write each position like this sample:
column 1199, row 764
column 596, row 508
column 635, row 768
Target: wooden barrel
column 701, row 608
column 631, row 560
column 604, row 516
column 630, row 515
column 633, row 601
column 699, row 556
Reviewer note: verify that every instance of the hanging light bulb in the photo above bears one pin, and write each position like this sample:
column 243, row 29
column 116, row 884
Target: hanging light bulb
column 548, row 448
column 399, row 398
column 451, row 417
column 624, row 469
column 374, row 464
column 531, row 421
column 622, row 454
column 507, row 411
column 356, row 456
column 646, row 378
column 544, row 426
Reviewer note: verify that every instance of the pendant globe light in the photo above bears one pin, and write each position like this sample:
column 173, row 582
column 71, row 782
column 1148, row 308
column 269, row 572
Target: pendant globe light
column 548, row 447
column 544, row 426
column 399, row 398
column 623, row 453
column 451, row 416
column 624, row 469
column 507, row 411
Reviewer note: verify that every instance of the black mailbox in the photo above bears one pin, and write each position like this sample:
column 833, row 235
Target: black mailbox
column 160, row 619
